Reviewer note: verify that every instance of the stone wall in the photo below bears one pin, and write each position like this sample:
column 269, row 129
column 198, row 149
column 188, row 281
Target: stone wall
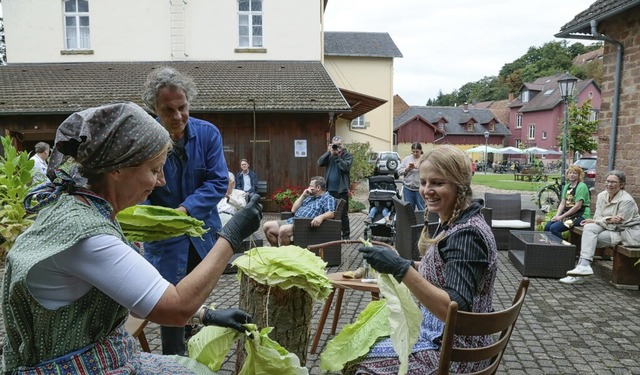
column 624, row 28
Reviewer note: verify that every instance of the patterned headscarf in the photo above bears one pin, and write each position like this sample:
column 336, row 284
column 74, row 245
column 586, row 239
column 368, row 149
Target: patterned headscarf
column 103, row 139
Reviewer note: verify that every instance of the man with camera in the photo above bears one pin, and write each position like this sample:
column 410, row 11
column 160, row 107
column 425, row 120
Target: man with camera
column 338, row 162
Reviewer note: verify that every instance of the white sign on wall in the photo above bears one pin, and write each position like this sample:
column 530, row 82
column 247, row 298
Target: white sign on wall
column 300, row 148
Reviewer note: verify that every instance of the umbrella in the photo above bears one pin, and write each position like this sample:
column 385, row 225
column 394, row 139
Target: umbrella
column 480, row 149
column 510, row 150
column 541, row 151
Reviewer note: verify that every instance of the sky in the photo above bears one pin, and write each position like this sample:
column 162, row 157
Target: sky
column 448, row 43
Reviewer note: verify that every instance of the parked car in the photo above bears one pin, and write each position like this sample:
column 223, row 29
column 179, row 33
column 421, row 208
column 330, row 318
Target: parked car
column 588, row 165
column 385, row 162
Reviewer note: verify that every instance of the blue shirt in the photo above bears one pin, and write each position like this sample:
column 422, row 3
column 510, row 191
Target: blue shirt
column 314, row 206
column 196, row 179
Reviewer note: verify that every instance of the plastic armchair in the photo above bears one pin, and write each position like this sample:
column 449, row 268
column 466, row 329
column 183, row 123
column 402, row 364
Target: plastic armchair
column 506, row 214
column 304, row 234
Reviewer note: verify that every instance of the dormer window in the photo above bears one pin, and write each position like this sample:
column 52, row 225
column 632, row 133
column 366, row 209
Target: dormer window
column 524, row 96
column 470, row 127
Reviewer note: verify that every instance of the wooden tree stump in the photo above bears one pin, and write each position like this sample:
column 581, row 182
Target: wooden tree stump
column 289, row 312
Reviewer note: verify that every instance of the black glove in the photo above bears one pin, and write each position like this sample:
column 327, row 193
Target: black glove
column 229, row 318
column 243, row 223
column 387, row 261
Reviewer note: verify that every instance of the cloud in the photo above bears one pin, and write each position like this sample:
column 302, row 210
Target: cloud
column 447, row 44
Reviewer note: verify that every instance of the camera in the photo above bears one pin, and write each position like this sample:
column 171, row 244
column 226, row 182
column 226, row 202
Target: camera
column 334, row 147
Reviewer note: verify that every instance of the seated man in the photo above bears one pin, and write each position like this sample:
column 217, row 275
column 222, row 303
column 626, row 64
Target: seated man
column 232, row 202
column 315, row 202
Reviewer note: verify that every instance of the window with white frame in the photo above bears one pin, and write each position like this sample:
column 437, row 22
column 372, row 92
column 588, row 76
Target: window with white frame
column 76, row 24
column 532, row 131
column 519, row 121
column 544, row 135
column 593, row 115
column 358, row 123
column 250, row 23
column 524, row 96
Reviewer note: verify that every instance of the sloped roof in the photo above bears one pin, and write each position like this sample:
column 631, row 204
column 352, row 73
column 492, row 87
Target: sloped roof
column 500, row 108
column 455, row 119
column 600, row 10
column 549, row 94
column 588, row 57
column 360, row 103
column 223, row 86
column 342, row 43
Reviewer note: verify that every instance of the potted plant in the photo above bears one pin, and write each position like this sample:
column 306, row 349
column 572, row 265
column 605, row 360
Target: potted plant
column 16, row 173
column 285, row 197
column 360, row 167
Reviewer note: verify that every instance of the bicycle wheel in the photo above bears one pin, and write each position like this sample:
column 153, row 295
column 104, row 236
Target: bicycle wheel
column 548, row 199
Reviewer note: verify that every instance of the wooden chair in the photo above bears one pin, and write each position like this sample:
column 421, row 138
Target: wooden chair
column 460, row 323
column 506, row 214
column 304, row 234
column 408, row 227
column 135, row 327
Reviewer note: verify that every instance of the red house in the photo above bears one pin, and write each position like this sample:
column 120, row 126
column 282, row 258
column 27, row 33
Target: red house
column 537, row 113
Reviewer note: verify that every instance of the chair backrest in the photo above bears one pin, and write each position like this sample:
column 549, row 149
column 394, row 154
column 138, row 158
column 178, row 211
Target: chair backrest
column 504, row 206
column 460, row 323
column 407, row 229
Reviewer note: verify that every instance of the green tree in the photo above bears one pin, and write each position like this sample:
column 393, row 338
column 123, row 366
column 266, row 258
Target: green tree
column 581, row 128
column 549, row 59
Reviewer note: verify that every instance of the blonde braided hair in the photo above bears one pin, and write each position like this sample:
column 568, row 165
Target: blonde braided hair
column 451, row 162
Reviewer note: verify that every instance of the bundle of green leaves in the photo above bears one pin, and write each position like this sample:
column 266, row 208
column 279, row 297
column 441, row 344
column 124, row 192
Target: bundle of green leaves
column 16, row 172
column 286, row 267
column 397, row 316
column 264, row 355
column 154, row 223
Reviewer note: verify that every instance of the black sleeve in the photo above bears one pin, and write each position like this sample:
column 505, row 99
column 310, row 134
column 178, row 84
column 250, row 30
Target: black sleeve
column 465, row 256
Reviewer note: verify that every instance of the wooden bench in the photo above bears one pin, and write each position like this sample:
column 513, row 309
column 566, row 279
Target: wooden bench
column 625, row 275
column 530, row 174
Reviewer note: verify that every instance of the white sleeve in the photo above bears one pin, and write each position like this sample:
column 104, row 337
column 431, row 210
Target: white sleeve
column 110, row 265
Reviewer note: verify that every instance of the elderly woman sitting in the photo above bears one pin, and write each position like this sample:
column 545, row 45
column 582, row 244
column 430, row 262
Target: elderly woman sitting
column 616, row 210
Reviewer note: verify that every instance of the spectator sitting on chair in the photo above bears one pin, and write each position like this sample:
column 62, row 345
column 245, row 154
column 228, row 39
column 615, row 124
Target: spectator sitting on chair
column 247, row 180
column 459, row 263
column 232, row 202
column 377, row 207
column 574, row 206
column 615, row 210
column 42, row 151
column 315, row 202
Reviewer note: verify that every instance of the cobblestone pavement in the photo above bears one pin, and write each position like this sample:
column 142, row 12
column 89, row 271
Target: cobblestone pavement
column 591, row 328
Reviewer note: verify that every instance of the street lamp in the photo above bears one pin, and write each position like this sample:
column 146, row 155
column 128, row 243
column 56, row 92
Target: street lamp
column 567, row 83
column 486, row 138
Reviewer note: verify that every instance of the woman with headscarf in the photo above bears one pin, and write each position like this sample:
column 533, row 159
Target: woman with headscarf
column 459, row 264
column 72, row 278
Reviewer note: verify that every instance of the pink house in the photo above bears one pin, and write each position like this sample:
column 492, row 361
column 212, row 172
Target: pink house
column 536, row 114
